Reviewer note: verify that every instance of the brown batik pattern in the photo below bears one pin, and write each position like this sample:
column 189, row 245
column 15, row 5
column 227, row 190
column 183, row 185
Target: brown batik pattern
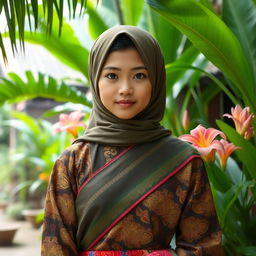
column 183, row 205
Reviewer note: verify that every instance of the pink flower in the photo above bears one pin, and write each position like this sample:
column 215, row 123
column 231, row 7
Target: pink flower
column 69, row 122
column 243, row 120
column 204, row 141
column 224, row 150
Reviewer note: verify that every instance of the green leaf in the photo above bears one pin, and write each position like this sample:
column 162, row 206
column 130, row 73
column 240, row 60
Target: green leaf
column 28, row 121
column 181, row 76
column 3, row 49
column 247, row 153
column 167, row 35
column 240, row 16
column 67, row 107
column 218, row 178
column 20, row 15
column 15, row 90
column 234, row 172
column 247, row 250
column 213, row 38
column 34, row 4
column 66, row 48
column 96, row 23
column 23, row 185
column 131, row 11
column 14, row 11
column 36, row 185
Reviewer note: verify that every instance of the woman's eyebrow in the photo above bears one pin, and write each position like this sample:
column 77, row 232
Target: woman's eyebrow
column 116, row 68
column 110, row 67
column 139, row 67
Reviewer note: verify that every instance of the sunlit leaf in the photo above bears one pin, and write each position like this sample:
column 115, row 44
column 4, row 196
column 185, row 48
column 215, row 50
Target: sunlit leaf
column 131, row 11
column 213, row 38
column 247, row 153
column 15, row 89
column 240, row 16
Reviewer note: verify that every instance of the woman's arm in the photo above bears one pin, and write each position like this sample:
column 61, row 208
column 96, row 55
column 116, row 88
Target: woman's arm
column 60, row 226
column 198, row 232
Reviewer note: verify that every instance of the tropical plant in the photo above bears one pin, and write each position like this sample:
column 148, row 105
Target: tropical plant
column 36, row 151
column 229, row 43
column 15, row 89
column 15, row 13
column 232, row 179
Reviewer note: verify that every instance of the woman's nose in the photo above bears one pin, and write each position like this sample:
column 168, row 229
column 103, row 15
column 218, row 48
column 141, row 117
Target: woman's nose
column 125, row 88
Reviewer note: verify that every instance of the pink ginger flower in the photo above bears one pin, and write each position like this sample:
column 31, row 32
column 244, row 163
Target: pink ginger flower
column 69, row 122
column 185, row 120
column 243, row 120
column 204, row 141
column 224, row 150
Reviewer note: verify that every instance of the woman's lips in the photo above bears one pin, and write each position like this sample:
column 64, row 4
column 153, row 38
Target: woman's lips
column 125, row 103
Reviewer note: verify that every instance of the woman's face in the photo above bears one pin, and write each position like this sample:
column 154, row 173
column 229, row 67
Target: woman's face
column 124, row 86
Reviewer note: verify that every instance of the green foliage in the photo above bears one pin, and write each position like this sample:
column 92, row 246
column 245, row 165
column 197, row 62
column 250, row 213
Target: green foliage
column 248, row 153
column 214, row 39
column 44, row 148
column 15, row 12
column 131, row 11
column 15, row 210
column 15, row 89
column 240, row 16
column 61, row 47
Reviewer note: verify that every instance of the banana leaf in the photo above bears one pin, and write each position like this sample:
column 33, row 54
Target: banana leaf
column 214, row 39
column 169, row 38
column 240, row 16
column 96, row 24
column 131, row 11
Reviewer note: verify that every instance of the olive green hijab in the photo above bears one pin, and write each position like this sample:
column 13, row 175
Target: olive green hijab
column 106, row 128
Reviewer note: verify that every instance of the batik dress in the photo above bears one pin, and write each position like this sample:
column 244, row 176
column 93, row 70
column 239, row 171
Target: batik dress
column 181, row 205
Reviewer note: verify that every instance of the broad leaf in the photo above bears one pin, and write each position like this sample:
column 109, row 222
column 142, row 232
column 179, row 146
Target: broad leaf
column 240, row 16
column 96, row 23
column 131, row 11
column 213, row 38
column 168, row 36
column 247, row 153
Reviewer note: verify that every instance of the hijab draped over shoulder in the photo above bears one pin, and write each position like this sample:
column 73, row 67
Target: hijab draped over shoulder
column 106, row 128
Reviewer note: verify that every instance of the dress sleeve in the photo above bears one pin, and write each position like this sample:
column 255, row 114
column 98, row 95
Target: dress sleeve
column 198, row 231
column 59, row 227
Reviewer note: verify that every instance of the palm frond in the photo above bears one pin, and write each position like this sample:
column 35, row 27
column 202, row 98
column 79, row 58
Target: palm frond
column 15, row 89
column 15, row 12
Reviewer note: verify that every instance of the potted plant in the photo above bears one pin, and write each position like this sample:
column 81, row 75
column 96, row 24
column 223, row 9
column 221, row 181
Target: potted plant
column 7, row 233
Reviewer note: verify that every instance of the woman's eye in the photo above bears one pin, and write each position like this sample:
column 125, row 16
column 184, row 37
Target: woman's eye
column 140, row 76
column 111, row 76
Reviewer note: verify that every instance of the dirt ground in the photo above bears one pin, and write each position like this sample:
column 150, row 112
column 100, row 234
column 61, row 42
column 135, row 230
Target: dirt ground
column 26, row 241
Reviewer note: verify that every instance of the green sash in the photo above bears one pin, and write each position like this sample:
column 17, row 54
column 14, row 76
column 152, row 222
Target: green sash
column 117, row 188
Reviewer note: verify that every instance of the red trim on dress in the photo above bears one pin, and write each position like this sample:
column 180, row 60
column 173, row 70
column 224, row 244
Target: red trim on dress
column 141, row 199
column 103, row 167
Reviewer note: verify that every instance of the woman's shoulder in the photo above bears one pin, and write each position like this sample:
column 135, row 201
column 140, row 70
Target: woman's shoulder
column 75, row 150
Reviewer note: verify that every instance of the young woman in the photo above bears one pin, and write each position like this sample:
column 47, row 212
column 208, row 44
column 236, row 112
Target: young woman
column 127, row 186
